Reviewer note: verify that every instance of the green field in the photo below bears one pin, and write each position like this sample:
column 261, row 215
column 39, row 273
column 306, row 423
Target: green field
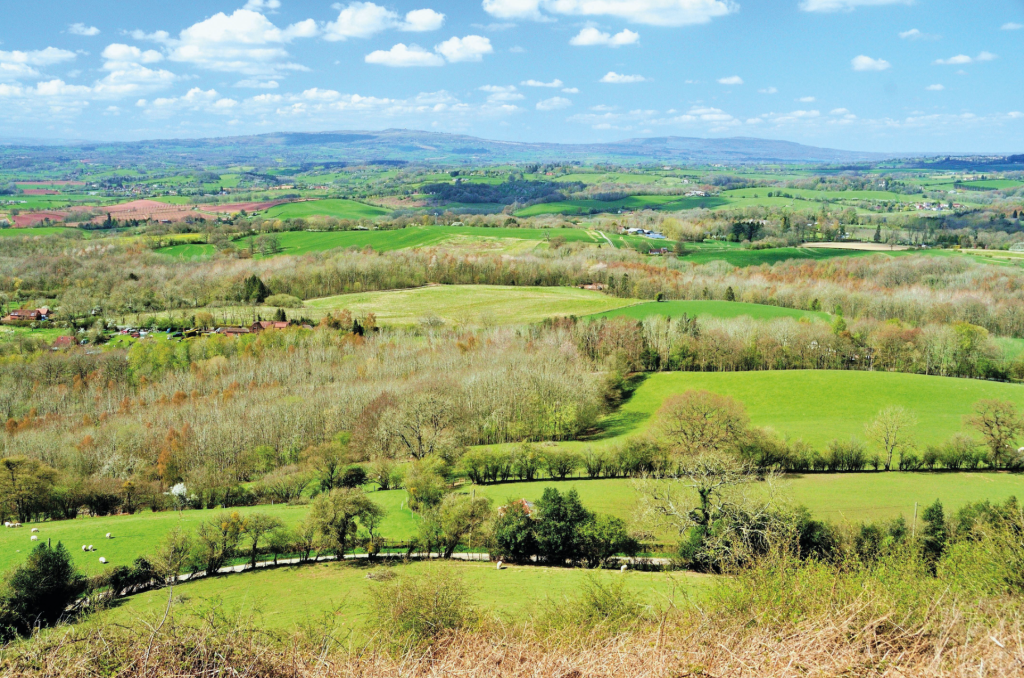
column 993, row 184
column 743, row 257
column 820, row 405
column 715, row 309
column 633, row 202
column 40, row 231
column 510, row 239
column 341, row 209
column 281, row 598
column 472, row 304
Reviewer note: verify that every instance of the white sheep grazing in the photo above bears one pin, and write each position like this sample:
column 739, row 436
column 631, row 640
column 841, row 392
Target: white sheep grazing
column 35, row 538
column 35, row 529
column 91, row 548
column 84, row 547
column 624, row 568
column 103, row 560
column 108, row 536
column 499, row 564
column 7, row 523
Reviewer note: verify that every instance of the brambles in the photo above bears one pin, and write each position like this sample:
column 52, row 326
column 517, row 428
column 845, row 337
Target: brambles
column 414, row 610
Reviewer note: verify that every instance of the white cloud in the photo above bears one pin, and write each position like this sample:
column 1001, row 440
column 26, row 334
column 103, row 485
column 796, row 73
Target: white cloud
column 365, row 19
column 421, row 20
column 591, row 36
column 915, row 34
column 16, row 65
column 469, row 48
column 768, row 90
column 82, row 29
column 553, row 104
column 935, row 88
column 652, row 12
column 620, row 79
column 571, row 90
column 962, row 59
column 1012, row 26
column 258, row 84
column 731, row 80
column 537, row 83
column 845, row 5
column 806, row 100
column 244, row 42
column 839, row 111
column 257, row 5
column 404, row 56
column 118, row 53
column 866, row 63
column 499, row 93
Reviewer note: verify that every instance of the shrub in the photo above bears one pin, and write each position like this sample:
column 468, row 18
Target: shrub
column 39, row 592
column 416, row 609
column 283, row 301
column 354, row 476
column 562, row 464
column 605, row 605
column 513, row 535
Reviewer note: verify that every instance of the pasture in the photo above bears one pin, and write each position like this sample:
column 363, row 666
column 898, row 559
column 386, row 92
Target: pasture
column 504, row 239
column 472, row 304
column 38, row 231
column 337, row 594
column 715, row 309
column 338, row 208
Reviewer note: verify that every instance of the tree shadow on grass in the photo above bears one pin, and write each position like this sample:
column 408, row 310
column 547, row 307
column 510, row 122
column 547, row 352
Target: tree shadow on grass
column 619, row 422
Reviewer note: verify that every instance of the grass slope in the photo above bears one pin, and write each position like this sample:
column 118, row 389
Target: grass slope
column 281, row 598
column 468, row 304
column 716, row 309
column 818, row 405
column 339, row 208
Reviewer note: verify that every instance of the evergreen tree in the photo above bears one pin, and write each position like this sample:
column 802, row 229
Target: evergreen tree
column 729, row 294
column 935, row 533
column 280, row 316
column 254, row 290
column 38, row 592
column 878, row 233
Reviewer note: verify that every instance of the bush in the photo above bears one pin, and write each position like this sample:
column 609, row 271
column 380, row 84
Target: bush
column 607, row 605
column 39, row 592
column 283, row 301
column 416, row 609
column 562, row 464
column 354, row 476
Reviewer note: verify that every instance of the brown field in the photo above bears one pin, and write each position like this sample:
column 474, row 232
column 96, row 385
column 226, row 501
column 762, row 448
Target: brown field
column 33, row 218
column 239, row 206
column 40, row 191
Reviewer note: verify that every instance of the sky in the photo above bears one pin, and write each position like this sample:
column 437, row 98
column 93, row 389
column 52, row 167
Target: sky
column 895, row 76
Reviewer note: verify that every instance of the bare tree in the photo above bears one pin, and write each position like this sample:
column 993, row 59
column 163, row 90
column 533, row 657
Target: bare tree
column 699, row 422
column 1000, row 424
column 426, row 423
column 891, row 429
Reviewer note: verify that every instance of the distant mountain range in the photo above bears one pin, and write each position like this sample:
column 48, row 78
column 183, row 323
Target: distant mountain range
column 398, row 146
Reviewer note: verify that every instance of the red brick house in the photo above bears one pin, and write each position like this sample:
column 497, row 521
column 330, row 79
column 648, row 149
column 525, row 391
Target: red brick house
column 261, row 325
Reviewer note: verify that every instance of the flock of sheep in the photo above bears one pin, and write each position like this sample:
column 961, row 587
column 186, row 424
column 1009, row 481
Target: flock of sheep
column 35, row 537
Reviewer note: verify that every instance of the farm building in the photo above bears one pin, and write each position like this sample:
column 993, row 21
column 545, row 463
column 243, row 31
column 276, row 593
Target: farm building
column 261, row 325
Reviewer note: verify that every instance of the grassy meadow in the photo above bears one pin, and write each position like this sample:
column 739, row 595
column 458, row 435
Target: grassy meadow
column 472, row 304
column 338, row 593
column 715, row 309
column 338, row 208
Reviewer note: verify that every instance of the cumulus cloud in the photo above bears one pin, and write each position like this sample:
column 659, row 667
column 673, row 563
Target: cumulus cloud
column 469, row 48
column 128, row 72
column 1012, row 26
column 260, row 5
column 82, row 29
column 866, row 63
column 935, row 88
column 499, row 93
column 403, row 56
column 538, row 83
column 652, row 12
column 591, row 36
column 768, row 90
column 731, row 80
column 845, row 5
column 16, row 65
column 806, row 100
column 553, row 104
column 258, row 84
column 963, row 59
column 365, row 19
column 118, row 53
column 620, row 79
column 243, row 42
column 571, row 90
column 915, row 34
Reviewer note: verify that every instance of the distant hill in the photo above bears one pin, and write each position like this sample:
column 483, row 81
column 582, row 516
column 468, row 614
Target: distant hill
column 396, row 146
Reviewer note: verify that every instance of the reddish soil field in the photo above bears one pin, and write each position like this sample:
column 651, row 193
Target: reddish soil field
column 33, row 218
column 239, row 206
column 50, row 183
column 146, row 209
column 40, row 191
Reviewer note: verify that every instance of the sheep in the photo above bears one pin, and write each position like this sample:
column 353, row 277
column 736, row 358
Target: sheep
column 35, row 538
column 103, row 560
column 35, row 529
column 7, row 523
column 84, row 547
column 91, row 548
column 108, row 536
column 624, row 567
column 499, row 565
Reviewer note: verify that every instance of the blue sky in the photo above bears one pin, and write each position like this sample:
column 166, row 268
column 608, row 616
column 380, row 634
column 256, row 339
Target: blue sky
column 882, row 75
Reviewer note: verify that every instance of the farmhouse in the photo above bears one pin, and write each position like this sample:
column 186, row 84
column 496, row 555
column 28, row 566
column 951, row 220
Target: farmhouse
column 232, row 331
column 61, row 343
column 261, row 325
column 29, row 314
column 598, row 287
